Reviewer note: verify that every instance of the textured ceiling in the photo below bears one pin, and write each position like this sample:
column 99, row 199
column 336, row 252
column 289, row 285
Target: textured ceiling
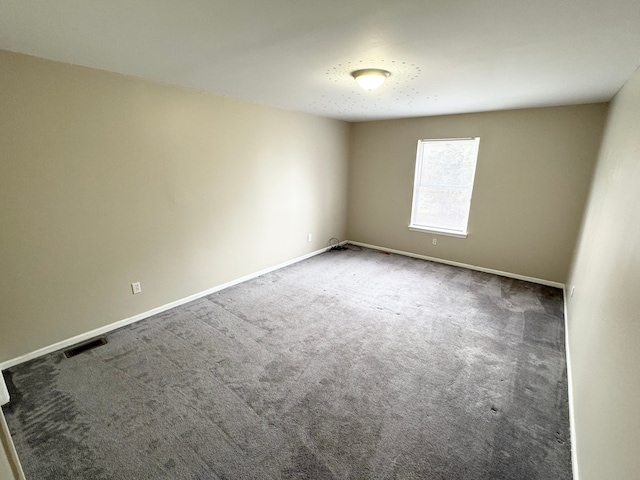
column 445, row 56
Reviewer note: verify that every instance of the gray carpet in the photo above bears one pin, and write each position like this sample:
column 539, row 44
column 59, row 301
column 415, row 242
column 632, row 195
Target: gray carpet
column 349, row 365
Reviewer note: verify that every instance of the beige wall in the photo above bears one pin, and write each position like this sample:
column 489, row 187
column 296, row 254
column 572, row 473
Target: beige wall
column 107, row 180
column 604, row 312
column 533, row 174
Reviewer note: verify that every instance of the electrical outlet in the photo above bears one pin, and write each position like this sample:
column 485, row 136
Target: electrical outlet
column 434, row 241
column 309, row 237
column 136, row 288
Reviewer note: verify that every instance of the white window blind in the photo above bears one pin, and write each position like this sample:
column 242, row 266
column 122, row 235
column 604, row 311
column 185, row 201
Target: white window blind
column 445, row 170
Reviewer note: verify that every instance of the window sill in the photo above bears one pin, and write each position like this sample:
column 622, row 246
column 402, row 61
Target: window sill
column 449, row 233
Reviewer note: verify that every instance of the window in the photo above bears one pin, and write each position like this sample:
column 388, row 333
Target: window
column 445, row 170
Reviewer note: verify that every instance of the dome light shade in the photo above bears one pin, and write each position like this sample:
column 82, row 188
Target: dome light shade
column 370, row 78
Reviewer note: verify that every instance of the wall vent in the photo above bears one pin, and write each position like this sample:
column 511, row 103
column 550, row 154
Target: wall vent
column 83, row 347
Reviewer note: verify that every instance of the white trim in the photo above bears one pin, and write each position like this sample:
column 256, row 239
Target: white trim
column 437, row 231
column 446, row 139
column 4, row 393
column 572, row 418
column 9, row 449
column 141, row 316
column 464, row 265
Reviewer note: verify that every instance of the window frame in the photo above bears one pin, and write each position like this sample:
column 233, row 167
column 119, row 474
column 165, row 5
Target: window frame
column 416, row 180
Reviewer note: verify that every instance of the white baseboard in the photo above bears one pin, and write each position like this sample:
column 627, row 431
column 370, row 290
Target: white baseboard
column 572, row 418
column 464, row 265
column 141, row 316
column 8, row 451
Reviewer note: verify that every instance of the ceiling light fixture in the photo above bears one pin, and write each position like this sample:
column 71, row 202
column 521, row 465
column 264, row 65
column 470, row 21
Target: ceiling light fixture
column 370, row 78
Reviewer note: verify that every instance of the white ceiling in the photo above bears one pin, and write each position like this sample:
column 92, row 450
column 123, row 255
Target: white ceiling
column 445, row 56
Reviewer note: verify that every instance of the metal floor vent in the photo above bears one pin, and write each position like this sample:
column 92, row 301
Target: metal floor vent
column 83, row 347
